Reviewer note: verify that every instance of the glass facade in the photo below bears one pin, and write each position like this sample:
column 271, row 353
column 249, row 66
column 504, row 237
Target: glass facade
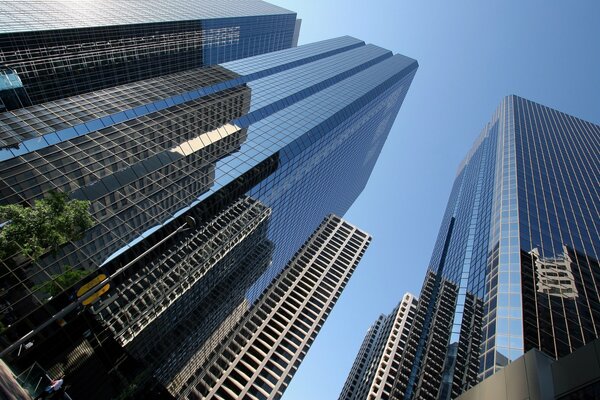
column 515, row 263
column 65, row 48
column 256, row 152
column 12, row 92
column 42, row 15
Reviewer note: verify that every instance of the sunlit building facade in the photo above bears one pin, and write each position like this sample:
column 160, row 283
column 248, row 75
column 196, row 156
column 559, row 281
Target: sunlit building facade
column 378, row 360
column 260, row 356
column 203, row 182
column 515, row 265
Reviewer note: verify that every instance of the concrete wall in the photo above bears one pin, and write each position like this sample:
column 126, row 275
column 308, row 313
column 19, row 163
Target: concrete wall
column 536, row 376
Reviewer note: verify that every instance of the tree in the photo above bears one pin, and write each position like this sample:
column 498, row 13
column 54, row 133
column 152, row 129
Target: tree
column 59, row 282
column 50, row 223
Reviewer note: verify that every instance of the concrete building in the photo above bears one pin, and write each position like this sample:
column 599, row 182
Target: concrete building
column 378, row 361
column 535, row 376
column 260, row 356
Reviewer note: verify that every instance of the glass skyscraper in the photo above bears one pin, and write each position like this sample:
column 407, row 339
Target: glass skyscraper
column 515, row 266
column 60, row 48
column 203, row 182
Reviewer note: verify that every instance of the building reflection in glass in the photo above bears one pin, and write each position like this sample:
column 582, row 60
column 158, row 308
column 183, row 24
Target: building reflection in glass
column 137, row 173
column 554, row 275
column 150, row 153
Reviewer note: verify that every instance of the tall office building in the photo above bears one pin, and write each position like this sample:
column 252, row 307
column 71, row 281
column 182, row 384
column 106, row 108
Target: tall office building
column 378, row 359
column 199, row 180
column 515, row 266
column 50, row 50
column 260, row 356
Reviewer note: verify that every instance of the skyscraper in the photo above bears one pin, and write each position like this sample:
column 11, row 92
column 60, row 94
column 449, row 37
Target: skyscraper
column 260, row 356
column 378, row 360
column 199, row 181
column 516, row 260
column 515, row 264
column 50, row 50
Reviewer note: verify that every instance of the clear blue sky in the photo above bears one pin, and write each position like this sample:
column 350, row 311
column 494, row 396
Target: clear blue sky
column 471, row 54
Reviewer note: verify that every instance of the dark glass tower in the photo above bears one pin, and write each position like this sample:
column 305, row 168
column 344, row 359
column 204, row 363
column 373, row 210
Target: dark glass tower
column 515, row 266
column 64, row 48
column 199, row 181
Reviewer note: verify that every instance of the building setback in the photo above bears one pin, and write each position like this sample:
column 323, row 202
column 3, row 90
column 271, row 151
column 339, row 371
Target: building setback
column 516, row 259
column 202, row 183
column 260, row 356
column 378, row 359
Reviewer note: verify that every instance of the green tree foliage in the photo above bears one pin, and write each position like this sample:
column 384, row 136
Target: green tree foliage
column 50, row 223
column 62, row 281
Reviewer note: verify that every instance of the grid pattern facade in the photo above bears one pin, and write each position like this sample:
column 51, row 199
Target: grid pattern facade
column 341, row 149
column 263, row 148
column 559, row 226
column 53, row 122
column 377, row 364
column 42, row 15
column 162, row 286
column 173, row 342
column 261, row 356
column 314, row 109
column 519, row 242
column 65, row 48
column 414, row 343
column 136, row 174
column 363, row 359
column 423, row 364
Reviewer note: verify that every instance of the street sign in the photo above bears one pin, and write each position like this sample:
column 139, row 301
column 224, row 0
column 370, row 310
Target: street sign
column 90, row 285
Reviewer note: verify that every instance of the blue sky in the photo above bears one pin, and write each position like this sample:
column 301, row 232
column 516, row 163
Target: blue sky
column 471, row 54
